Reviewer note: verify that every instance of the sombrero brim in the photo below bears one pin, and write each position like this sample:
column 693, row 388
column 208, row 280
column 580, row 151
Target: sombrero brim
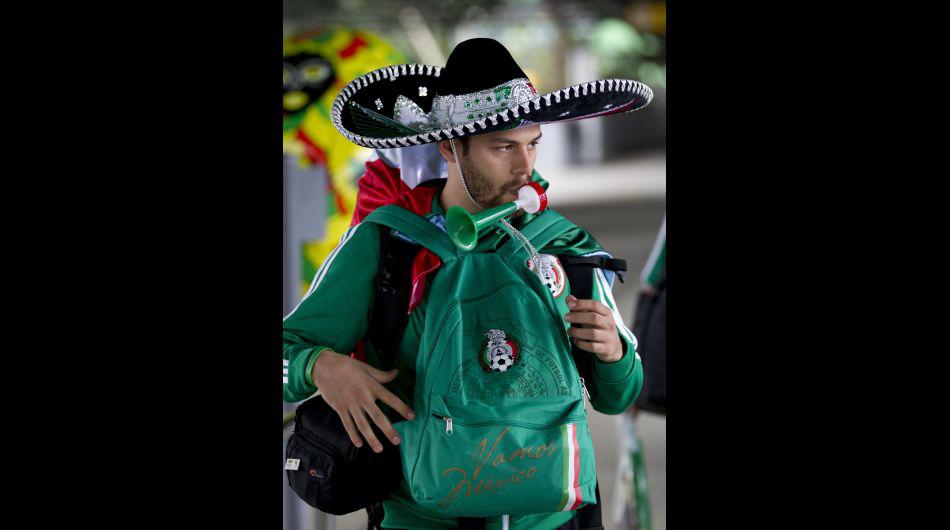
column 378, row 90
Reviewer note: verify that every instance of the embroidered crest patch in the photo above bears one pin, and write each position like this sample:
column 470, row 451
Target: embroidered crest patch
column 552, row 274
column 500, row 352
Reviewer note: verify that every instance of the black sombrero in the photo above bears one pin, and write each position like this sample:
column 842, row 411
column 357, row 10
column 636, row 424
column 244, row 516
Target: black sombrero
column 481, row 89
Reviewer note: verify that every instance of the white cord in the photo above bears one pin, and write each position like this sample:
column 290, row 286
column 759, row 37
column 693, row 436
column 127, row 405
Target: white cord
column 462, row 177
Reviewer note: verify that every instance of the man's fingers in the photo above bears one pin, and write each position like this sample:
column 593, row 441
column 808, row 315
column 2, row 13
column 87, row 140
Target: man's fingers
column 397, row 404
column 591, row 305
column 360, row 418
column 588, row 317
column 381, row 376
column 593, row 347
column 351, row 429
column 382, row 422
column 591, row 334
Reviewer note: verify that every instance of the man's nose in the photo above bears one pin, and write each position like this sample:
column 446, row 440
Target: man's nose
column 522, row 164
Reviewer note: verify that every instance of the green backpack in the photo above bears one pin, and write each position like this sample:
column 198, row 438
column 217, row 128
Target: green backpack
column 501, row 426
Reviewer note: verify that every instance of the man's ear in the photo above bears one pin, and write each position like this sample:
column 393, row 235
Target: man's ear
column 446, row 151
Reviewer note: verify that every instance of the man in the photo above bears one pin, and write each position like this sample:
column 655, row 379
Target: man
column 490, row 152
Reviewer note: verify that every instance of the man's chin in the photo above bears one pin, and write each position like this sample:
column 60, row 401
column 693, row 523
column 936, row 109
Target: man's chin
column 506, row 198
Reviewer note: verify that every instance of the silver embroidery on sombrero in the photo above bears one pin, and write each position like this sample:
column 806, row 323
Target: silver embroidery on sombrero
column 407, row 112
column 450, row 111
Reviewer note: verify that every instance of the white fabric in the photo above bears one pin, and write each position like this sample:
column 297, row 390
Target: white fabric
column 417, row 163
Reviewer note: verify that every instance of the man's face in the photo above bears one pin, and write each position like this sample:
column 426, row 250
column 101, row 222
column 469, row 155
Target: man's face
column 499, row 163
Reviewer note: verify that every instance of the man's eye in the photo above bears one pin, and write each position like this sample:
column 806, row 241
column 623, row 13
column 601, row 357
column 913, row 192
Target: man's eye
column 505, row 148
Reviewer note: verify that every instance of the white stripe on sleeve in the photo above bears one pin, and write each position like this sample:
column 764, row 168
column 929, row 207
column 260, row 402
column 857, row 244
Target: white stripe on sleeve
column 322, row 271
column 655, row 252
column 607, row 298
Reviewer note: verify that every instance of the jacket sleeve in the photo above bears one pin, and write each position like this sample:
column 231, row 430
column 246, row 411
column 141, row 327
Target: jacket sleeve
column 335, row 311
column 614, row 386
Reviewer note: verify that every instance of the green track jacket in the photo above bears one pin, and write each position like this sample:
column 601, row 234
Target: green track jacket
column 335, row 313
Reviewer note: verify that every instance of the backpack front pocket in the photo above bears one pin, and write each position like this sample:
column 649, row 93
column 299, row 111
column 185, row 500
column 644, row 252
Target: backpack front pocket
column 504, row 456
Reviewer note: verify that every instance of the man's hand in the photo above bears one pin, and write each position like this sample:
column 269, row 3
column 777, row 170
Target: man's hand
column 599, row 334
column 351, row 388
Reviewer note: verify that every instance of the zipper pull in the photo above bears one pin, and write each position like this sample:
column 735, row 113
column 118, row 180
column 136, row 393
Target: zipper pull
column 584, row 386
column 447, row 420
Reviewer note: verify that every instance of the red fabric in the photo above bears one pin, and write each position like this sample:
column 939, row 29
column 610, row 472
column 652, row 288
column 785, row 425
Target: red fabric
column 382, row 185
column 379, row 186
column 425, row 263
column 577, row 469
column 360, row 353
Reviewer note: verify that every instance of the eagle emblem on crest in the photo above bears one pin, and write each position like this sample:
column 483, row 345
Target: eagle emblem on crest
column 552, row 274
column 500, row 352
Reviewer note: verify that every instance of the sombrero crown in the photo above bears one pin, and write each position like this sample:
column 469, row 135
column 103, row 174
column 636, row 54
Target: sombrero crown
column 481, row 89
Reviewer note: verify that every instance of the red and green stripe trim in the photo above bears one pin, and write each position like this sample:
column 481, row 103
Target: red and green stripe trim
column 571, row 499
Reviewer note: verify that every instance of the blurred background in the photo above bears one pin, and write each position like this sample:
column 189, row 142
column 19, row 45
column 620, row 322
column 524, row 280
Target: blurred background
column 607, row 174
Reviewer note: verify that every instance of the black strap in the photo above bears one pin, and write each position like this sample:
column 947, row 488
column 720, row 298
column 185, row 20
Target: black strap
column 581, row 278
column 393, row 286
column 619, row 266
column 590, row 517
column 388, row 317
column 374, row 516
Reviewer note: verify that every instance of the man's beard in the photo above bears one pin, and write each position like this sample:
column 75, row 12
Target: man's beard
column 479, row 186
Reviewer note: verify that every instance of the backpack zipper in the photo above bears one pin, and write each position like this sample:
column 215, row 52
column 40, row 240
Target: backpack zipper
column 449, row 422
column 584, row 386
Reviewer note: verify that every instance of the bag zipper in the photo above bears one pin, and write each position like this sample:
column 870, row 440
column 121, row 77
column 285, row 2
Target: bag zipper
column 450, row 422
column 584, row 386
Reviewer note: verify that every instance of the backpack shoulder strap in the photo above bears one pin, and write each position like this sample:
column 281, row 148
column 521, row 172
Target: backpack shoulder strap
column 388, row 316
column 540, row 231
column 416, row 227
